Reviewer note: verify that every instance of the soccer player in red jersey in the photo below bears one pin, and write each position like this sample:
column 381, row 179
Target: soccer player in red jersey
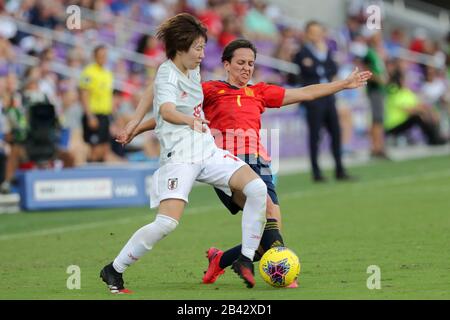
column 234, row 108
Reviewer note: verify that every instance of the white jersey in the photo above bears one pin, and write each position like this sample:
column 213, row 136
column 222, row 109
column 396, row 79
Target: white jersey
column 179, row 143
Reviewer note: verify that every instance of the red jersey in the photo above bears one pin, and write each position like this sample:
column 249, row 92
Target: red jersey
column 235, row 114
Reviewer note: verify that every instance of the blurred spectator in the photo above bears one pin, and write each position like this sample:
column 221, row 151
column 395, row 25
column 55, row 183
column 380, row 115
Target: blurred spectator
column 8, row 28
column 119, row 7
column 374, row 61
column 418, row 41
column 212, row 19
column 133, row 84
column 96, row 86
column 17, row 110
column 227, row 20
column 48, row 82
column 155, row 12
column 43, row 126
column 152, row 48
column 21, row 9
column 351, row 29
column 3, row 131
column 33, row 44
column 287, row 45
column 317, row 66
column 3, row 147
column 232, row 29
column 258, row 25
column 184, row 6
column 433, row 89
column 344, row 105
column 405, row 111
column 71, row 122
column 433, row 96
column 396, row 42
column 16, row 131
column 44, row 14
column 6, row 55
column 438, row 56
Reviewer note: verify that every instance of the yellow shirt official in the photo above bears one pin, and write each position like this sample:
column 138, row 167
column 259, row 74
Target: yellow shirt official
column 98, row 82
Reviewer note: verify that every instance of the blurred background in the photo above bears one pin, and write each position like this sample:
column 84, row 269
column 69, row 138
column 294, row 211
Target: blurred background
column 41, row 60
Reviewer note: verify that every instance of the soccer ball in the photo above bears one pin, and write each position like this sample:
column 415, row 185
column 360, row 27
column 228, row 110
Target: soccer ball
column 279, row 266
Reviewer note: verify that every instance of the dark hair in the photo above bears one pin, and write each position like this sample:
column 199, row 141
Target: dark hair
column 98, row 48
column 229, row 50
column 312, row 23
column 142, row 43
column 179, row 32
column 396, row 78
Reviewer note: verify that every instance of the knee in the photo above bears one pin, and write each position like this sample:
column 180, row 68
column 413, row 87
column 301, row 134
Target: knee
column 155, row 231
column 166, row 223
column 255, row 189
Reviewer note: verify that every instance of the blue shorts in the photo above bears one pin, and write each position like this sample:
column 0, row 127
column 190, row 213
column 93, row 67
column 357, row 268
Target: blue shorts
column 262, row 168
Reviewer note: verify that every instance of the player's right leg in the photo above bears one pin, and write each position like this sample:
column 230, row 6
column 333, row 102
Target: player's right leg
column 170, row 189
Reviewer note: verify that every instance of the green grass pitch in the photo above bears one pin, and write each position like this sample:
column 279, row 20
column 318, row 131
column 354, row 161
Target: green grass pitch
column 397, row 217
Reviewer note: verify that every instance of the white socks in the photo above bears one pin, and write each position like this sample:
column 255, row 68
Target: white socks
column 253, row 222
column 253, row 217
column 143, row 240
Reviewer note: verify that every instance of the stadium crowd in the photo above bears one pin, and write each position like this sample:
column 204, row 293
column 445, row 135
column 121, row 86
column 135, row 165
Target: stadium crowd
column 409, row 92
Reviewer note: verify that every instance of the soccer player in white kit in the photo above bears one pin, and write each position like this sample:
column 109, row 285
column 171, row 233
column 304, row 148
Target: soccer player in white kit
column 188, row 154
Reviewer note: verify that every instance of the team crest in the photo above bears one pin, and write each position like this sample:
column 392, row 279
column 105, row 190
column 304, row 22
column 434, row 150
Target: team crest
column 249, row 92
column 172, row 184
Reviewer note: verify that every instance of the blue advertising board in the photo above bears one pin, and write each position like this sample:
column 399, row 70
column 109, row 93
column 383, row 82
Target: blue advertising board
column 88, row 187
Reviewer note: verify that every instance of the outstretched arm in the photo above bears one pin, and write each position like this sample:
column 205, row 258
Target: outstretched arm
column 355, row 80
column 148, row 125
column 128, row 133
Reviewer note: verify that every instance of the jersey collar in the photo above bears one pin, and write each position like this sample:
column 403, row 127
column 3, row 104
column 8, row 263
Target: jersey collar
column 232, row 86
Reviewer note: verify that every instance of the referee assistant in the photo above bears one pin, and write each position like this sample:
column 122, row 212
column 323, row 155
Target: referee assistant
column 96, row 86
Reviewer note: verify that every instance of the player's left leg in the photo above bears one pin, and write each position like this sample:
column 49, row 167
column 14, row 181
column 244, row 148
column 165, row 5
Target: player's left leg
column 253, row 219
column 229, row 173
column 219, row 260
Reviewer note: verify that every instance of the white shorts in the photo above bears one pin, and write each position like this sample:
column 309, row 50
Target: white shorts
column 175, row 180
